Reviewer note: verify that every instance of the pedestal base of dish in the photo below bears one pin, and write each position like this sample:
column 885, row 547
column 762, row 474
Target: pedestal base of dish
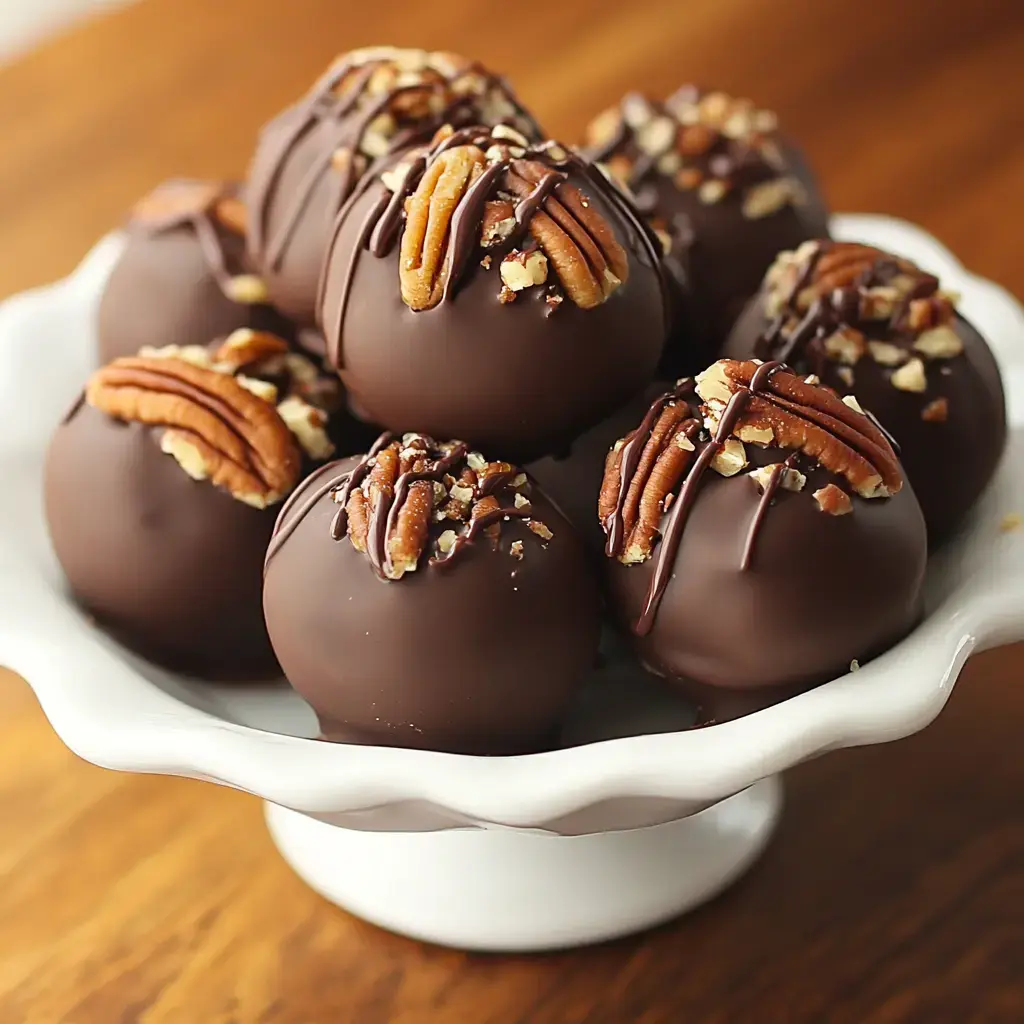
column 503, row 890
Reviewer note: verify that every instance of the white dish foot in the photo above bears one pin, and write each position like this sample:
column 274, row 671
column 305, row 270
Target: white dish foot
column 514, row 891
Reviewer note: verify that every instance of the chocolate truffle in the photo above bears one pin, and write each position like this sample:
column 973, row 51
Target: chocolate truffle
column 182, row 274
column 724, row 192
column 759, row 532
column 869, row 322
column 424, row 597
column 493, row 290
column 161, row 488
column 369, row 103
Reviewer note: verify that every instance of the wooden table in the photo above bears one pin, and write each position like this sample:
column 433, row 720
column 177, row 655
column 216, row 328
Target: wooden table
column 895, row 888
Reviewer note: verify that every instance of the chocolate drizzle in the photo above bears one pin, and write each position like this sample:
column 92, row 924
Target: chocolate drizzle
column 200, row 215
column 476, row 527
column 391, row 500
column 771, row 487
column 632, row 451
column 350, row 125
column 798, row 337
column 811, row 420
column 665, row 556
column 385, row 512
column 340, row 522
column 379, row 232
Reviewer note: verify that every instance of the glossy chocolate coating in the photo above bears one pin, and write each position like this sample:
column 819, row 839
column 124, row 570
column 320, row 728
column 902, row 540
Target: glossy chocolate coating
column 169, row 565
column 295, row 191
column 950, row 462
column 573, row 480
column 163, row 291
column 717, row 261
column 538, row 377
column 821, row 590
column 718, row 253
column 481, row 656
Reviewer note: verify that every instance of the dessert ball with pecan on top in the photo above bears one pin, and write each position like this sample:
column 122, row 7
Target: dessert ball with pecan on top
column 871, row 323
column 369, row 104
column 724, row 191
column 423, row 596
column 493, row 290
column 183, row 273
column 759, row 532
column 162, row 486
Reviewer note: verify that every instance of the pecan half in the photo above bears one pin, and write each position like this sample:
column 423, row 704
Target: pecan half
column 665, row 457
column 230, row 213
column 174, row 200
column 807, row 418
column 577, row 240
column 213, row 425
column 246, row 347
column 429, row 213
column 819, row 268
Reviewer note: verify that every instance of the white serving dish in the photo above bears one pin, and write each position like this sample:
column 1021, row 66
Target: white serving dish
column 553, row 849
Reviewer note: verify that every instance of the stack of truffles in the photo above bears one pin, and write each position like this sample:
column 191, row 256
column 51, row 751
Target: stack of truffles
column 429, row 399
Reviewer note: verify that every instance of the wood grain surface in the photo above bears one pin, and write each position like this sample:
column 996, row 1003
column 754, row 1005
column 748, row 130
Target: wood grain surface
column 894, row 890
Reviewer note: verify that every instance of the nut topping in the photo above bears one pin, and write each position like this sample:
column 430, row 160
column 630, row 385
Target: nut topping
column 910, row 377
column 836, row 299
column 230, row 213
column 499, row 222
column 845, row 346
column 510, row 195
column 410, row 86
column 215, row 427
column 177, row 201
column 731, row 459
column 662, row 464
column 806, row 418
column 429, row 213
column 246, row 347
column 789, row 479
column 715, row 144
column 578, row 241
column 414, row 497
column 833, row 500
column 520, row 270
column 939, row 343
column 936, row 411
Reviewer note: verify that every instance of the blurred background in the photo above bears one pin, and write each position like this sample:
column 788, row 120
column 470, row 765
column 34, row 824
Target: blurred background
column 894, row 889
column 898, row 104
column 24, row 24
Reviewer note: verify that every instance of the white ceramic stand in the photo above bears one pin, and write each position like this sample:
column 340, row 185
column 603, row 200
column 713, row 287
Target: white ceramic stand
column 501, row 890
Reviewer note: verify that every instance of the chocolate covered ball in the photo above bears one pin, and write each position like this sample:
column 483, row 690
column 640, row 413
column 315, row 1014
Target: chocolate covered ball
column 369, row 103
column 183, row 273
column 724, row 191
column 874, row 324
column 493, row 290
column 162, row 486
column 424, row 597
column 760, row 534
